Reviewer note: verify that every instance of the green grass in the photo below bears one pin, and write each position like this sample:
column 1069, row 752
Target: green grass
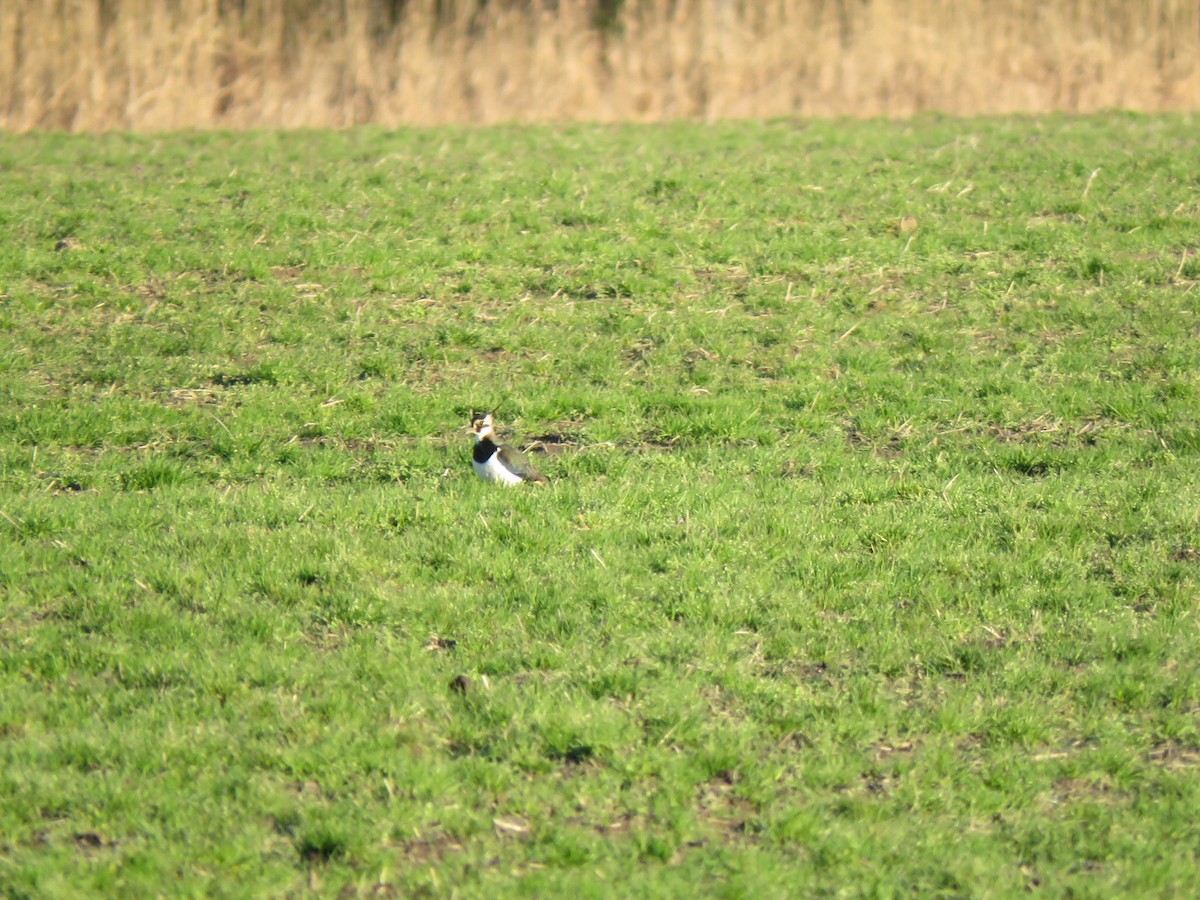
column 870, row 565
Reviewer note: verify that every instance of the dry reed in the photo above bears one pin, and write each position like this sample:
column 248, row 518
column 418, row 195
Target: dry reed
column 88, row 65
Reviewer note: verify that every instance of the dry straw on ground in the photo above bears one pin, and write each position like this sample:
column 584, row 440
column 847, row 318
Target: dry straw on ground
column 84, row 65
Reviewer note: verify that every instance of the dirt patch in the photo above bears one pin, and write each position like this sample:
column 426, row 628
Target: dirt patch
column 437, row 643
column 971, row 743
column 1062, row 434
column 92, row 841
column 652, row 440
column 639, row 350
column 552, row 443
column 887, row 446
column 792, row 469
column 185, row 396
column 1021, row 432
column 815, row 674
column 349, row 445
column 495, row 354
column 1172, row 755
column 890, row 749
column 876, row 784
column 1074, row 790
column 724, row 812
column 575, row 754
column 426, row 848
column 379, row 889
column 299, row 272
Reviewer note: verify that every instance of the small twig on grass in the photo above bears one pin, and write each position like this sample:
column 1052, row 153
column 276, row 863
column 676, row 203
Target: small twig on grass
column 513, row 826
column 849, row 331
column 993, row 632
column 949, row 484
column 1054, row 754
column 222, row 424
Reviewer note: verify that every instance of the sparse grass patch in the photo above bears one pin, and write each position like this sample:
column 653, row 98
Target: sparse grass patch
column 869, row 563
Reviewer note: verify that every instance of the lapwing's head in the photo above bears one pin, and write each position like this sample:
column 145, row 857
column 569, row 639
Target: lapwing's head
column 481, row 427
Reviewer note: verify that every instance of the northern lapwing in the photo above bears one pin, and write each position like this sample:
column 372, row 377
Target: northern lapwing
column 493, row 462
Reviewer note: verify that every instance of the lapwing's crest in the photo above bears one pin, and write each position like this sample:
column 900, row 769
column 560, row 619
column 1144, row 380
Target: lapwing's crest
column 503, row 465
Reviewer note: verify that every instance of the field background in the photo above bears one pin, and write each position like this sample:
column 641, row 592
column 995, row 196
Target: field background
column 870, row 564
column 86, row 65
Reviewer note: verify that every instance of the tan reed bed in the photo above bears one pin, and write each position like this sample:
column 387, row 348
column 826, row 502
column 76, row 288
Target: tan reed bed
column 87, row 65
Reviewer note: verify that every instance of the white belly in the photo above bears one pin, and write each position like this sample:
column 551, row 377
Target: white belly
column 493, row 471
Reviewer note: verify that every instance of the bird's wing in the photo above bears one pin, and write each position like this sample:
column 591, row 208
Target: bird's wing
column 516, row 462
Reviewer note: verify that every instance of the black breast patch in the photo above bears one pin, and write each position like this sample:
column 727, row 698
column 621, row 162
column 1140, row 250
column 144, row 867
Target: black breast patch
column 483, row 450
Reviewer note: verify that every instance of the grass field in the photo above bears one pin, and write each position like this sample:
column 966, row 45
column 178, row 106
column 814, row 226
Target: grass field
column 870, row 565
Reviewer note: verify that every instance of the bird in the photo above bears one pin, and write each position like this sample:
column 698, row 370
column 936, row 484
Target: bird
column 502, row 465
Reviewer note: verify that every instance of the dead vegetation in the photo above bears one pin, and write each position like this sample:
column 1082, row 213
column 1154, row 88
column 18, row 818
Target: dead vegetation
column 93, row 65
